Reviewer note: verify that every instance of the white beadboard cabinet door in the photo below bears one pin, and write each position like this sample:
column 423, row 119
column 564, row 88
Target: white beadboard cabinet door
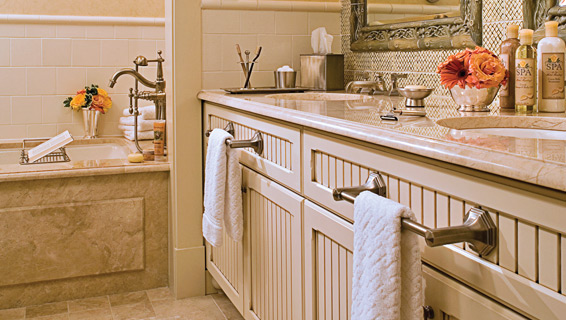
column 328, row 247
column 273, row 257
column 281, row 157
column 226, row 265
column 450, row 300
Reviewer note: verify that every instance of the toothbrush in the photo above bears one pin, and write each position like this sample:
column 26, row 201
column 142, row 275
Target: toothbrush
column 242, row 63
column 257, row 54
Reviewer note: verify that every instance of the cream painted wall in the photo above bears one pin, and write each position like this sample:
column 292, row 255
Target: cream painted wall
column 115, row 8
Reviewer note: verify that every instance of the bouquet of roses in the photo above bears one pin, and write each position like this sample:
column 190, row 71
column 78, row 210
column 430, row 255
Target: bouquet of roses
column 93, row 98
column 479, row 68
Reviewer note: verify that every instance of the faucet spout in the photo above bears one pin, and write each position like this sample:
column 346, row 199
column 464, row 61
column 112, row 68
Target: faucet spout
column 133, row 73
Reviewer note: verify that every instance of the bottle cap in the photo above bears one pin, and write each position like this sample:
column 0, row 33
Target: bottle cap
column 526, row 36
column 551, row 28
column 512, row 31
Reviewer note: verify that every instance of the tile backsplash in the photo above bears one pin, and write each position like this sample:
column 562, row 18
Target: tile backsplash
column 284, row 35
column 42, row 64
column 421, row 65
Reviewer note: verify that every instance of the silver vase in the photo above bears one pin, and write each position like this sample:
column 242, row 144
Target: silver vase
column 90, row 118
column 473, row 99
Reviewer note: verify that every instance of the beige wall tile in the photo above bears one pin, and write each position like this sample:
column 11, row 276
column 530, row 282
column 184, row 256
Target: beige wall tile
column 41, row 81
column 220, row 21
column 56, row 52
column 40, row 31
column 100, row 32
column 291, row 23
column 75, row 129
column 114, row 53
column 12, row 30
column 329, row 20
column 276, row 51
column 257, row 22
column 71, row 80
column 53, row 110
column 301, row 45
column 153, row 32
column 127, row 32
column 13, row 81
column 100, row 77
column 70, row 31
column 212, row 46
column 144, row 48
column 86, row 53
column 260, row 79
column 4, row 52
column 215, row 80
column 26, row 110
column 6, row 112
column 41, row 130
column 25, row 52
column 13, row 131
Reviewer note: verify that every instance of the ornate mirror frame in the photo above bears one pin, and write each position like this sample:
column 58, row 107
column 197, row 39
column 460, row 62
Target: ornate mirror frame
column 446, row 33
column 537, row 12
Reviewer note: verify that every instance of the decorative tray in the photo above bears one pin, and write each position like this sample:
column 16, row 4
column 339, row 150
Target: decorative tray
column 264, row 90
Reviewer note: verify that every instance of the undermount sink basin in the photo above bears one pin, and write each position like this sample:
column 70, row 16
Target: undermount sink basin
column 320, row 96
column 517, row 127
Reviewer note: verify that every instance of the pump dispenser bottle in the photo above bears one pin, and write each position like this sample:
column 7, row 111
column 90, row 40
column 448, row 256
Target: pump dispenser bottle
column 550, row 65
column 525, row 73
column 507, row 55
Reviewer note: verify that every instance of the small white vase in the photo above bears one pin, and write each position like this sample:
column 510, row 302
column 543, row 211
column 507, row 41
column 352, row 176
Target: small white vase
column 473, row 99
column 90, row 118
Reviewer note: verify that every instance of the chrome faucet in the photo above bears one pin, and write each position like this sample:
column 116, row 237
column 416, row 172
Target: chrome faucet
column 376, row 87
column 157, row 96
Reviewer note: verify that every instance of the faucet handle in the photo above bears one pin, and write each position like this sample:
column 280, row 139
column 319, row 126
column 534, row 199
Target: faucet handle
column 395, row 79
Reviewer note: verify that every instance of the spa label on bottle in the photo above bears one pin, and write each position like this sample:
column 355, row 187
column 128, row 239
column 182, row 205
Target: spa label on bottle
column 525, row 88
column 552, row 75
column 504, row 91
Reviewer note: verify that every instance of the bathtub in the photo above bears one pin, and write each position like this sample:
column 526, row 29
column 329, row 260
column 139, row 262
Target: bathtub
column 93, row 226
column 78, row 150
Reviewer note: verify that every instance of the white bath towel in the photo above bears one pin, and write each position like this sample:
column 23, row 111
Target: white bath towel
column 142, row 135
column 143, row 125
column 387, row 282
column 129, row 121
column 146, row 112
column 222, row 190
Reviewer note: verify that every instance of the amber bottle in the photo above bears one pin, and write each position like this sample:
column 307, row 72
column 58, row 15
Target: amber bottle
column 507, row 55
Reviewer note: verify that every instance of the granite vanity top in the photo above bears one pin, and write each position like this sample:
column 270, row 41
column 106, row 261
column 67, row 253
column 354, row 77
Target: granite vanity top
column 17, row 172
column 537, row 161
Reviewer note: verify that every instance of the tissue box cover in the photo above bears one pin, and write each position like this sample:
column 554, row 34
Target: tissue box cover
column 322, row 72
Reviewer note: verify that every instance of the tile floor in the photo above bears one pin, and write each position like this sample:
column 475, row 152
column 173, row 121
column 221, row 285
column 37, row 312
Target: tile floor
column 154, row 304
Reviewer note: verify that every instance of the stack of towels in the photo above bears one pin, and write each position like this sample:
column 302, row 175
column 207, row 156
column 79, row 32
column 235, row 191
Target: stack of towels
column 145, row 123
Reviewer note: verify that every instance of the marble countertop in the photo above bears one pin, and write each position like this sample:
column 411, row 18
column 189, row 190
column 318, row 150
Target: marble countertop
column 17, row 172
column 539, row 161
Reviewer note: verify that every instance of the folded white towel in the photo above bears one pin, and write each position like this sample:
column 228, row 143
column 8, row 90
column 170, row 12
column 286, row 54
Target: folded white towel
column 143, row 125
column 142, row 135
column 222, row 190
column 129, row 121
column 387, row 282
column 146, row 112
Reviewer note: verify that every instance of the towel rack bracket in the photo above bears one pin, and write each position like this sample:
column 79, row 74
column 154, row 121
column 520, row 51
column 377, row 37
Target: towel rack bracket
column 374, row 183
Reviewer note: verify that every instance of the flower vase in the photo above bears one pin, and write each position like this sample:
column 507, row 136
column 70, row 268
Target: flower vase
column 473, row 99
column 90, row 118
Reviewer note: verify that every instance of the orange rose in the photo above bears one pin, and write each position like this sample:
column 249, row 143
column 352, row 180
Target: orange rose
column 102, row 92
column 78, row 101
column 486, row 71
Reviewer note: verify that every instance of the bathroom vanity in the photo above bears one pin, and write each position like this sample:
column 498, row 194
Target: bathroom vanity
column 295, row 261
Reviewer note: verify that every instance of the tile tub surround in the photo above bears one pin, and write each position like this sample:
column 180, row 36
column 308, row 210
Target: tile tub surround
column 520, row 159
column 45, row 59
column 156, row 304
column 112, row 237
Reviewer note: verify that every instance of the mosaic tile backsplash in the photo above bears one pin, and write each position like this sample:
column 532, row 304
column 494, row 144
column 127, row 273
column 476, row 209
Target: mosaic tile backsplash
column 421, row 65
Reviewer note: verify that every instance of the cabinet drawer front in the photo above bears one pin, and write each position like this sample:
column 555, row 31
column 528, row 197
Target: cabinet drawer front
column 281, row 158
column 530, row 258
column 273, row 218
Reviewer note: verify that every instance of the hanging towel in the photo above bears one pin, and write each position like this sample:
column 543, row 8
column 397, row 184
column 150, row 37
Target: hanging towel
column 222, row 190
column 142, row 135
column 143, row 125
column 387, row 282
column 146, row 112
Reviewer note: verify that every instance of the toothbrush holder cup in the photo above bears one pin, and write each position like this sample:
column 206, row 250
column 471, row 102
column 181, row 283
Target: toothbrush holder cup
column 285, row 79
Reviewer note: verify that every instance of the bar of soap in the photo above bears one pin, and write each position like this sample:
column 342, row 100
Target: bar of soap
column 135, row 157
column 415, row 87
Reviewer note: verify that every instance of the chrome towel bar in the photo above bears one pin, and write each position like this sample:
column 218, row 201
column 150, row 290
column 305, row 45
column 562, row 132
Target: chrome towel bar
column 478, row 229
column 256, row 142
